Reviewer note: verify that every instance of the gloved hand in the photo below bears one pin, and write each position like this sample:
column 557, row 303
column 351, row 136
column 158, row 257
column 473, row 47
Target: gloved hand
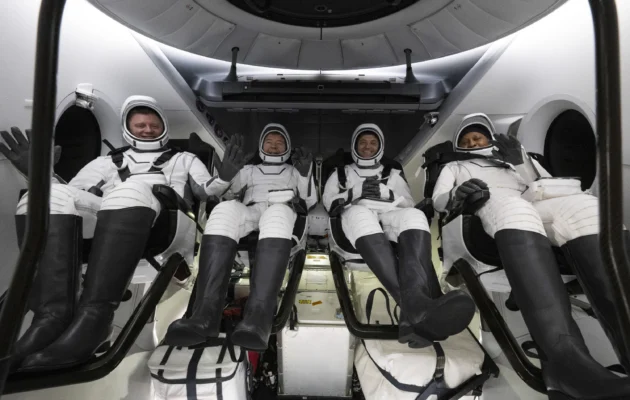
column 509, row 150
column 467, row 197
column 302, row 161
column 233, row 159
column 370, row 187
column 19, row 144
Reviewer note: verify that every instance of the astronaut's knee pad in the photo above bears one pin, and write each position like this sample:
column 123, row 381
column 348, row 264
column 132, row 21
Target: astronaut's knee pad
column 277, row 221
column 130, row 194
column 411, row 219
column 358, row 221
column 510, row 213
column 225, row 220
column 61, row 201
column 576, row 216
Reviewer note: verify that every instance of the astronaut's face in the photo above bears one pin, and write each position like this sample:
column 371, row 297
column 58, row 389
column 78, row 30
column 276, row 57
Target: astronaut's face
column 473, row 140
column 274, row 144
column 146, row 126
column 367, row 145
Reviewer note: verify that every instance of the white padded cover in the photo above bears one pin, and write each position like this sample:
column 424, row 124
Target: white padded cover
column 169, row 373
column 464, row 356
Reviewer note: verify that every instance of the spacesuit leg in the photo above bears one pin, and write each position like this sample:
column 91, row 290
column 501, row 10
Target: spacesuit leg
column 425, row 312
column 272, row 256
column 122, row 230
column 572, row 223
column 531, row 268
column 228, row 223
column 54, row 293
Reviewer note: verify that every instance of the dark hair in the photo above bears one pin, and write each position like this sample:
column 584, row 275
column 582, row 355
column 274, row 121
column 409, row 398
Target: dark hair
column 144, row 110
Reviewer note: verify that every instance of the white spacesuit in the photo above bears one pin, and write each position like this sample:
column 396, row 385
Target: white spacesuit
column 111, row 201
column 267, row 190
column 526, row 212
column 426, row 314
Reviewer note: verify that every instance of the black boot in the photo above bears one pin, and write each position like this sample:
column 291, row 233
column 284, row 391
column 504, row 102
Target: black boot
column 216, row 258
column 433, row 315
column 272, row 257
column 425, row 316
column 119, row 241
column 53, row 296
column 584, row 256
column 569, row 370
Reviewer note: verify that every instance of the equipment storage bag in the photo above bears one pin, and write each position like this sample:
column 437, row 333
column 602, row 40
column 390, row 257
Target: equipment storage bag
column 216, row 372
column 389, row 370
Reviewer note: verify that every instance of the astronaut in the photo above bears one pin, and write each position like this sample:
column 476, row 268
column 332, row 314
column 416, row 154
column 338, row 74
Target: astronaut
column 526, row 212
column 109, row 200
column 426, row 314
column 268, row 189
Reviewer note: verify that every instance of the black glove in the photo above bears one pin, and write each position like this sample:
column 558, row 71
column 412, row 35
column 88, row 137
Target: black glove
column 470, row 196
column 302, row 161
column 19, row 145
column 371, row 187
column 510, row 149
column 233, row 159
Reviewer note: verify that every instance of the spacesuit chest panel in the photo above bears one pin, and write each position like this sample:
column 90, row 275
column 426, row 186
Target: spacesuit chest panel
column 264, row 178
column 496, row 177
column 355, row 175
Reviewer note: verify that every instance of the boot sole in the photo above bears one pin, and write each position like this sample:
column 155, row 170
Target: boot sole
column 409, row 337
column 439, row 324
column 248, row 340
column 184, row 337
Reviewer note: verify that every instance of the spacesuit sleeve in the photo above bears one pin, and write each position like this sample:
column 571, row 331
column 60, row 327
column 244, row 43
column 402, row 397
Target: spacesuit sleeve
column 444, row 188
column 398, row 188
column 306, row 188
column 93, row 174
column 202, row 184
column 332, row 192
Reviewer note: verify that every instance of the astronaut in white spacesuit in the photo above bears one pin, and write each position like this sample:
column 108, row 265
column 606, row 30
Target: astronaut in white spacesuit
column 268, row 189
column 526, row 212
column 426, row 314
column 111, row 201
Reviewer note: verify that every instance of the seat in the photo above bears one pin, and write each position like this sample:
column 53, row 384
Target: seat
column 239, row 281
column 477, row 268
column 345, row 259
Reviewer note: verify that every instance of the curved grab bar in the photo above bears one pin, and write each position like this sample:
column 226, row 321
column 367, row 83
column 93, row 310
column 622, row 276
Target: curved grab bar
column 608, row 84
column 44, row 100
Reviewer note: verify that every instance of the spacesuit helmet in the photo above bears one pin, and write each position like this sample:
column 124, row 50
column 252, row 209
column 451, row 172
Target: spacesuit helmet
column 269, row 158
column 475, row 135
column 149, row 134
column 365, row 129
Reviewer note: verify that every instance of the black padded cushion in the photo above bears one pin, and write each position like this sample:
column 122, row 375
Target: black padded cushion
column 339, row 237
column 480, row 245
column 483, row 248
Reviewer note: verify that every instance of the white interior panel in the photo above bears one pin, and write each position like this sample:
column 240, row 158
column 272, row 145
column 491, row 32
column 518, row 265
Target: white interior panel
column 319, row 54
column 267, row 48
column 359, row 53
column 430, row 28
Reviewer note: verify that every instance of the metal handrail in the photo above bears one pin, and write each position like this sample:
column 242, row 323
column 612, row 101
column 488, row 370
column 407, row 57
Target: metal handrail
column 43, row 119
column 608, row 84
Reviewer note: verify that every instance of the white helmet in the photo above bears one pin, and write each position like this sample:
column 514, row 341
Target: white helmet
column 475, row 122
column 135, row 142
column 274, row 158
column 376, row 158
